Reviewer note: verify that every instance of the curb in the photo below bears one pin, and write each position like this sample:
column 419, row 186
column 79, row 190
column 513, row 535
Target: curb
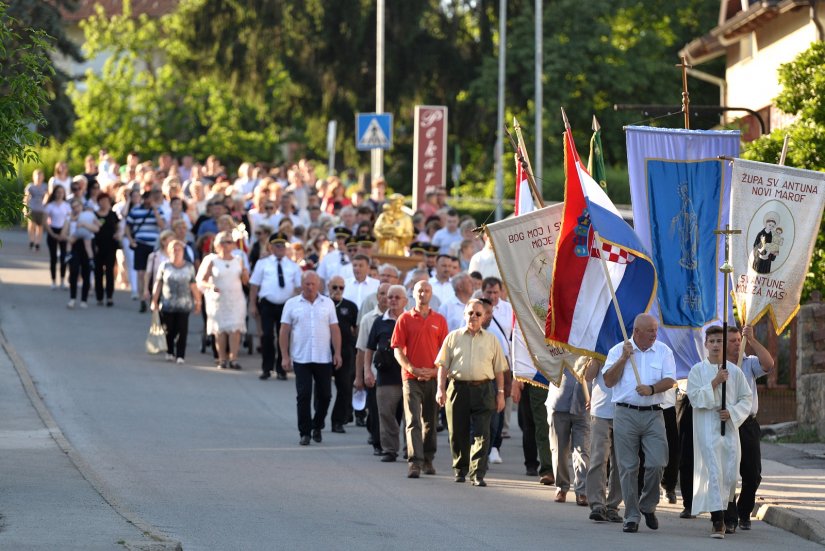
column 794, row 521
column 159, row 541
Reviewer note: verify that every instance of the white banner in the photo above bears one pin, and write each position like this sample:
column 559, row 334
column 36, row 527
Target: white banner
column 779, row 210
column 525, row 247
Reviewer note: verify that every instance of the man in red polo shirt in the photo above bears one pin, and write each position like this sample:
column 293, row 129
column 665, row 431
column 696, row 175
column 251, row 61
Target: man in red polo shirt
column 416, row 340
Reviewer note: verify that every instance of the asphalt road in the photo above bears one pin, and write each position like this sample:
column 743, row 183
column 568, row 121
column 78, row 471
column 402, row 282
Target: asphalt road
column 212, row 458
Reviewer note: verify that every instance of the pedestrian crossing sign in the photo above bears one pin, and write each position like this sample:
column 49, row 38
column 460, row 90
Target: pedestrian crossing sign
column 373, row 131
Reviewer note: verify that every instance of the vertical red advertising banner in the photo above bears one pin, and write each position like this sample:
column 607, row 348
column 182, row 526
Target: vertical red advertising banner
column 430, row 151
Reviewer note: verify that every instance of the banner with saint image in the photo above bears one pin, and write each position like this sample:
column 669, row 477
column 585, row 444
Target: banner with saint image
column 779, row 210
column 525, row 247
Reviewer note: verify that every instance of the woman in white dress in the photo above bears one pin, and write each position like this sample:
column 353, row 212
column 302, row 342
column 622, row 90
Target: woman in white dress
column 221, row 277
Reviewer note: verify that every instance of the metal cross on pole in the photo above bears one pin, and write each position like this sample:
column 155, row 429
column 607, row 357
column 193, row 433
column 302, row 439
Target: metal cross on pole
column 685, row 95
column 726, row 268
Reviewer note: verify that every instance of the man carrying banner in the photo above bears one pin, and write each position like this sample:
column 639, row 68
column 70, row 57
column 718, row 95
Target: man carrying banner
column 716, row 455
column 750, row 467
column 638, row 420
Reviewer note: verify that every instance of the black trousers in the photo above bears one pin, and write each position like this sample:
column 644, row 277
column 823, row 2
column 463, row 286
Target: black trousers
column 105, row 267
column 373, row 423
column 342, row 409
column 750, row 466
column 684, row 415
column 176, row 326
column 54, row 245
column 671, row 470
column 528, row 431
column 728, row 516
column 79, row 267
column 270, row 327
column 305, row 375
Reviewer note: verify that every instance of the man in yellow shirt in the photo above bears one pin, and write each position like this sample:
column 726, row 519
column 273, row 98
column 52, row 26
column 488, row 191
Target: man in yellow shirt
column 472, row 359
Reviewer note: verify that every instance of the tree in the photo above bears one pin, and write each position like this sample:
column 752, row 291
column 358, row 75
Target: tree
column 47, row 16
column 802, row 95
column 141, row 101
column 25, row 72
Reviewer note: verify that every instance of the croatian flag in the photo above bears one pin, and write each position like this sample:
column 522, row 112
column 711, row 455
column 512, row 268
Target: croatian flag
column 581, row 316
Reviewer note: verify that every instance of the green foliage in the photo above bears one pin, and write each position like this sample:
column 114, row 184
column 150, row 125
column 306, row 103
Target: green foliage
column 47, row 16
column 25, row 72
column 802, row 95
column 141, row 101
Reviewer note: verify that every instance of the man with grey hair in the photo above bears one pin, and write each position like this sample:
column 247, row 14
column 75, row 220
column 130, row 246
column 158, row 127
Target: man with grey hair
column 365, row 373
column 453, row 309
column 638, row 422
column 387, row 273
column 388, row 386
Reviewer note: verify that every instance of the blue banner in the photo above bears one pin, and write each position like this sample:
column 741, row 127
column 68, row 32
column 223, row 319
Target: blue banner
column 684, row 206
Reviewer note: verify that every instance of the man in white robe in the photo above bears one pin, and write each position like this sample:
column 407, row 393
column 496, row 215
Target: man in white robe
column 716, row 456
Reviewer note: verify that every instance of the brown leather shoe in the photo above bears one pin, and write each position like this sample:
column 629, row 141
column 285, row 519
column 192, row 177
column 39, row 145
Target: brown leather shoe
column 428, row 467
column 547, row 480
column 414, row 472
column 581, row 500
column 561, row 496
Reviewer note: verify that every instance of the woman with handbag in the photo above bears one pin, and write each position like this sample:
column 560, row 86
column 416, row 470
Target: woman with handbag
column 175, row 295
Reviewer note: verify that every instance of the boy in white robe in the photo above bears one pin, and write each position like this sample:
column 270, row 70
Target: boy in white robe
column 716, row 457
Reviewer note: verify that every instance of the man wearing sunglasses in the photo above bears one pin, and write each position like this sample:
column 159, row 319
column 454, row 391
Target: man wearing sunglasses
column 344, row 377
column 274, row 280
column 472, row 359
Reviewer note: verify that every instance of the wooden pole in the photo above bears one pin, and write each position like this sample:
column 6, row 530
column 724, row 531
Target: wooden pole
column 598, row 243
column 685, row 95
column 521, row 157
column 784, row 150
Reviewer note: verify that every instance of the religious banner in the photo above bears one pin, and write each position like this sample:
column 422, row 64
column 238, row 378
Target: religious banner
column 779, row 210
column 680, row 192
column 525, row 247
column 429, row 151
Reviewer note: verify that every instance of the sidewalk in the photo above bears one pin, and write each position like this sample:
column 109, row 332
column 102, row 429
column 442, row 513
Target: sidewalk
column 792, row 493
column 50, row 500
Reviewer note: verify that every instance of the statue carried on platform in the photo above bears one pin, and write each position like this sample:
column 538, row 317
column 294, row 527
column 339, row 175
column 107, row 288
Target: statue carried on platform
column 394, row 227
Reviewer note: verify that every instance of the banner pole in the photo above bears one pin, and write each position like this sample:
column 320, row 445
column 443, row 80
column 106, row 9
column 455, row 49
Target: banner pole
column 598, row 242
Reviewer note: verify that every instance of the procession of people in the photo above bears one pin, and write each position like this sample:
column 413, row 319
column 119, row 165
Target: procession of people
column 406, row 309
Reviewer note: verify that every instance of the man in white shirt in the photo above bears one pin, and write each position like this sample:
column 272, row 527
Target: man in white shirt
column 275, row 280
column 337, row 262
column 449, row 234
column 602, row 450
column 484, row 261
column 308, row 325
column 491, row 288
column 360, row 285
column 453, row 309
column 387, row 273
column 637, row 419
column 442, row 288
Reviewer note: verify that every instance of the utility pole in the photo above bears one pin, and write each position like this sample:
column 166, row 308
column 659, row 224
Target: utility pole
column 499, row 151
column 377, row 155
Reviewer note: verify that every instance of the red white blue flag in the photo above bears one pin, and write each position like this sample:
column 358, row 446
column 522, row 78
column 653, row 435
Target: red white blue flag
column 581, row 316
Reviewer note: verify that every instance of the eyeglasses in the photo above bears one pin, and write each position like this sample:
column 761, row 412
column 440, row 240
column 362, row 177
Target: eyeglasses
column 395, row 297
column 258, row 233
column 336, row 287
column 269, row 208
column 227, row 242
column 476, row 314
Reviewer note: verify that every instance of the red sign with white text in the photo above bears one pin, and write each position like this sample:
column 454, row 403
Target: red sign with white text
column 430, row 151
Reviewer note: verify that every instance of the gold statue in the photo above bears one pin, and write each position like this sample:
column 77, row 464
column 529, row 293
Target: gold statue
column 394, row 227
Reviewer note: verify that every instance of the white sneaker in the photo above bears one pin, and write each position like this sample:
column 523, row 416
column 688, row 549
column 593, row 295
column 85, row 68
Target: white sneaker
column 179, row 361
column 70, row 304
column 495, row 457
column 83, row 304
column 54, row 285
column 63, row 285
column 170, row 358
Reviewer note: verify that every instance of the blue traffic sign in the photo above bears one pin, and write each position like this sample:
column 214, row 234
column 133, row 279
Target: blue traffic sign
column 373, row 131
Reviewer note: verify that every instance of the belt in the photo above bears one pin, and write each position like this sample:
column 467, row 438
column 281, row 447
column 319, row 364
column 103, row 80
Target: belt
column 655, row 407
column 472, row 383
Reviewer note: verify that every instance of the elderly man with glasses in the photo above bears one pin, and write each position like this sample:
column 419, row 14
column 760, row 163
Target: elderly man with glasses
column 472, row 359
column 344, row 377
column 274, row 280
